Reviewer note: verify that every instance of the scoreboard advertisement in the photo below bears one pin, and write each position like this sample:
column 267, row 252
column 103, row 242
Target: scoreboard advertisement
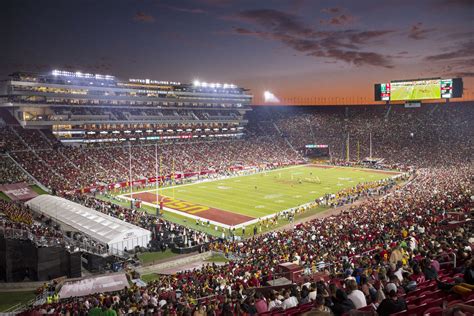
column 419, row 89
column 316, row 150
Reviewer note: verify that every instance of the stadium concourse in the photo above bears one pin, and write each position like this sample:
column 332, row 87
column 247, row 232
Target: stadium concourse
column 394, row 251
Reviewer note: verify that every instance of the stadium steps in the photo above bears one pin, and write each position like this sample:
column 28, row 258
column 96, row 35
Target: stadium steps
column 434, row 108
column 59, row 151
column 28, row 174
column 194, row 116
column 116, row 160
column 20, row 138
column 34, row 152
column 70, row 162
column 285, row 138
column 9, row 119
column 311, row 130
column 389, row 109
column 93, row 161
column 276, row 127
column 42, row 134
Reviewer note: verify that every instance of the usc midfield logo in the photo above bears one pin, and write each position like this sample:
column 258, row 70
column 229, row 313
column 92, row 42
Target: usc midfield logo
column 183, row 206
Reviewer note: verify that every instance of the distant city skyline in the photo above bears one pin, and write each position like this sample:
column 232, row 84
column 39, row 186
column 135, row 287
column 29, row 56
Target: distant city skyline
column 302, row 51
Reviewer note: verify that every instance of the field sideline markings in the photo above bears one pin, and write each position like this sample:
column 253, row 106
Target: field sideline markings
column 228, row 178
column 187, row 215
column 223, row 196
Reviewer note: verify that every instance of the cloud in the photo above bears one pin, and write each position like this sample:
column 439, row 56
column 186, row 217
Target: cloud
column 333, row 10
column 143, row 17
column 418, row 33
column 290, row 30
column 464, row 50
column 357, row 58
column 276, row 20
column 343, row 19
column 339, row 17
column 329, row 47
column 363, row 37
column 464, row 74
column 186, row 10
column 459, row 68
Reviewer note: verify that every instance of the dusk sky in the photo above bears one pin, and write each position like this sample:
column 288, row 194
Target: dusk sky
column 305, row 52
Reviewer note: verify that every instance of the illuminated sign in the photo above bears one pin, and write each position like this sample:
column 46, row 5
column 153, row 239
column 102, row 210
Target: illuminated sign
column 149, row 81
column 446, row 88
column 316, row 146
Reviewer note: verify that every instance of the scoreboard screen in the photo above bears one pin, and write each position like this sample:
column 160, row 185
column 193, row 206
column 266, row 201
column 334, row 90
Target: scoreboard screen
column 428, row 89
column 419, row 89
column 316, row 150
column 382, row 92
column 446, row 88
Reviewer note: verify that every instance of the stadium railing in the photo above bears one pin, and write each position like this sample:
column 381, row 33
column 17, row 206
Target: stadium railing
column 42, row 241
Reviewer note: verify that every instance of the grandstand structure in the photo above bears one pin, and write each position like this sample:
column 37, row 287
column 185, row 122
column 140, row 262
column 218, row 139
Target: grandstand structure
column 89, row 139
column 87, row 108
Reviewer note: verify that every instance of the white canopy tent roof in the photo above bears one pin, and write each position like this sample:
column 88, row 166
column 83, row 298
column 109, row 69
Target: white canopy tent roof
column 115, row 233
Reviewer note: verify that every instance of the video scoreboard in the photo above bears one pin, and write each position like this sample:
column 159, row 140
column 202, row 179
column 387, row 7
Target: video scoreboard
column 419, row 89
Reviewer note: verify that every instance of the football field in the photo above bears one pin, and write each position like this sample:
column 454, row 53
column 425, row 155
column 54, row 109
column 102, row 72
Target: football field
column 243, row 199
column 409, row 91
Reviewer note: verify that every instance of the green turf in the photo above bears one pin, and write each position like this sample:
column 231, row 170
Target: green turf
column 331, row 174
column 430, row 90
column 9, row 299
column 35, row 188
column 4, row 197
column 152, row 257
column 38, row 190
column 149, row 277
column 175, row 218
column 217, row 258
column 270, row 192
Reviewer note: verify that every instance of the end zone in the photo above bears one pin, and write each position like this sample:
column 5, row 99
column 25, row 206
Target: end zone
column 201, row 212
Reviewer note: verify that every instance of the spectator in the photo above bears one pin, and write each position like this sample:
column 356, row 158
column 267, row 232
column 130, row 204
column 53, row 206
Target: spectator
column 392, row 304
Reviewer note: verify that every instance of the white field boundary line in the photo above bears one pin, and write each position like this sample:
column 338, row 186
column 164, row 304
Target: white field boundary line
column 182, row 213
column 218, row 179
column 253, row 221
column 387, row 172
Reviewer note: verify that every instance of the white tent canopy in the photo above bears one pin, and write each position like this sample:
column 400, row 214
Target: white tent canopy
column 108, row 230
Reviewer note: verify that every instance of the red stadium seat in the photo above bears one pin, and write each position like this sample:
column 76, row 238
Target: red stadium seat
column 435, row 303
column 433, row 311
column 451, row 303
column 416, row 309
column 402, row 313
column 367, row 308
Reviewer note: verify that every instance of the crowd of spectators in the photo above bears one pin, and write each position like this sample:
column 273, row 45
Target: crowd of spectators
column 10, row 172
column 371, row 253
column 68, row 168
column 17, row 221
column 426, row 136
